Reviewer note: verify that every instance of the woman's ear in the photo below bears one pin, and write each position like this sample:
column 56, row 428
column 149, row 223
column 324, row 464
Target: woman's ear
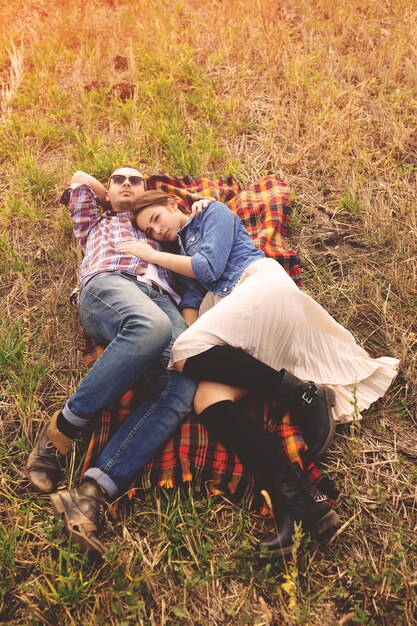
column 172, row 204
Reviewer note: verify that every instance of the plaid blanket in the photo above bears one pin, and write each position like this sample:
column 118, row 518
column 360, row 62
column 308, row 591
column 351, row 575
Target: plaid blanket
column 192, row 455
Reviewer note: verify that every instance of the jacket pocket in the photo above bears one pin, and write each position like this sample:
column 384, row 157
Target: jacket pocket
column 192, row 244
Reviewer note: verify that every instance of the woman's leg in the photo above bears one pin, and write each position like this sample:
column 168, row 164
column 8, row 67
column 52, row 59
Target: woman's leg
column 209, row 393
column 257, row 449
column 309, row 404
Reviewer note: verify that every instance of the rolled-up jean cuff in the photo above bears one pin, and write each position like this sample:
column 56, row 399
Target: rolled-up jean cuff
column 73, row 419
column 103, row 480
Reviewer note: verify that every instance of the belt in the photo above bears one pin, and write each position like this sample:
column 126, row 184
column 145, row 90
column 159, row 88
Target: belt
column 147, row 281
column 151, row 283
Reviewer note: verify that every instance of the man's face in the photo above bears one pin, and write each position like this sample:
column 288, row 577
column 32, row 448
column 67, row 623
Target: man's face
column 124, row 189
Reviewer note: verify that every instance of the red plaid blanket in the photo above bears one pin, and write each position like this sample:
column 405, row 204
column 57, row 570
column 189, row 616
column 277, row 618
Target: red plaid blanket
column 191, row 455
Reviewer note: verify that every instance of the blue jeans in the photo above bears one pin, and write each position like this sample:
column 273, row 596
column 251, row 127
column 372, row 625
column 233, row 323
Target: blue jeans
column 139, row 326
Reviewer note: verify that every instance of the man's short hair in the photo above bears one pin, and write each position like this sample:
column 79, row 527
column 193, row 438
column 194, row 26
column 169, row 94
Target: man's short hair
column 120, row 167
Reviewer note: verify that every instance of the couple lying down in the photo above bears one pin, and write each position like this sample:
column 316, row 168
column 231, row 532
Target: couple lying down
column 249, row 329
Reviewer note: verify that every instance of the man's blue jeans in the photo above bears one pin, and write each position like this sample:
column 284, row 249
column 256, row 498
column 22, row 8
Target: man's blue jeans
column 139, row 326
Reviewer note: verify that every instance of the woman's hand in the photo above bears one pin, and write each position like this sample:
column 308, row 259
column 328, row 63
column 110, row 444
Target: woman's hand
column 174, row 262
column 140, row 249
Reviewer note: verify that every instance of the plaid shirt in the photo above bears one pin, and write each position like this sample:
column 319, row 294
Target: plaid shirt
column 100, row 234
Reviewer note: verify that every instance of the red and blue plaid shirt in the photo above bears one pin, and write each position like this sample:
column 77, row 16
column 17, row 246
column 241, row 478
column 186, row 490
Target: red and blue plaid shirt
column 100, row 234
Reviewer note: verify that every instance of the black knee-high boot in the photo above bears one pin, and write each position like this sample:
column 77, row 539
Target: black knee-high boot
column 309, row 404
column 293, row 498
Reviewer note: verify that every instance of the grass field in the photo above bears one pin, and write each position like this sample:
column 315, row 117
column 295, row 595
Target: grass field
column 320, row 92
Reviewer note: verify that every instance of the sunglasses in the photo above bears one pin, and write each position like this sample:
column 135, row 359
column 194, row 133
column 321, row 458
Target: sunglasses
column 119, row 179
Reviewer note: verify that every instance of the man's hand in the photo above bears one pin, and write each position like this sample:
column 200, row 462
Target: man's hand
column 199, row 205
column 140, row 249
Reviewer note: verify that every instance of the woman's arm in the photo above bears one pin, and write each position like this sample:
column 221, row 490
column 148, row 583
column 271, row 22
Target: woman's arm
column 218, row 230
column 190, row 315
column 174, row 262
column 192, row 295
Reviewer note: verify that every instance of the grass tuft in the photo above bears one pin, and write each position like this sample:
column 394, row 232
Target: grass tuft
column 321, row 93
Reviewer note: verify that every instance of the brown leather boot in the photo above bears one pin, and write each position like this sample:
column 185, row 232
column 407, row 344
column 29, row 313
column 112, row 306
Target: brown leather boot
column 43, row 466
column 82, row 509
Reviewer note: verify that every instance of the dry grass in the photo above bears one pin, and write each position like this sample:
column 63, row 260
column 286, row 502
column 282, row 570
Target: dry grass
column 321, row 92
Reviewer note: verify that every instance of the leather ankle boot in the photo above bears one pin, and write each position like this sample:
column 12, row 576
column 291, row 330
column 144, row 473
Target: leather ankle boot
column 295, row 500
column 43, row 464
column 310, row 407
column 82, row 509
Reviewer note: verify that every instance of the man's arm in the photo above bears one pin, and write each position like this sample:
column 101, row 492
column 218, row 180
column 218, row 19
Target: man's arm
column 201, row 204
column 98, row 189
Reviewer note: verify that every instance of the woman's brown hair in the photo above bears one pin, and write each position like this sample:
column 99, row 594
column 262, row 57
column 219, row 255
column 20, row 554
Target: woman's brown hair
column 151, row 198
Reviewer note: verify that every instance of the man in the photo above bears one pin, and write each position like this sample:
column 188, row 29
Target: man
column 128, row 306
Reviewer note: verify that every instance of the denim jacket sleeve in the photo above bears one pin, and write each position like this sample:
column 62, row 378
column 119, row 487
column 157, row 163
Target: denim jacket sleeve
column 218, row 231
column 192, row 295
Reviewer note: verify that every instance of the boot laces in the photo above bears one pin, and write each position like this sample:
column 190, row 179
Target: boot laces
column 52, row 450
column 101, row 515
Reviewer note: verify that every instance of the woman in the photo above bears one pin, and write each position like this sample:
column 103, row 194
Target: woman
column 253, row 329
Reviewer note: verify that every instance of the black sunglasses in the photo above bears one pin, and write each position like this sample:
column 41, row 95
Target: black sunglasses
column 119, row 179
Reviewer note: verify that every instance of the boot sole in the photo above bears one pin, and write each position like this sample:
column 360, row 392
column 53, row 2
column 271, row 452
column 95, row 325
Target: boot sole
column 275, row 553
column 79, row 538
column 330, row 396
column 328, row 521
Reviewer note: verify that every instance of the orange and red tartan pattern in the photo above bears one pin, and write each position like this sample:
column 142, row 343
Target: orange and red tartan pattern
column 192, row 455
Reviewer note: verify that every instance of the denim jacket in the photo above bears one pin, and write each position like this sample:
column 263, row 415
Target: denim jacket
column 220, row 249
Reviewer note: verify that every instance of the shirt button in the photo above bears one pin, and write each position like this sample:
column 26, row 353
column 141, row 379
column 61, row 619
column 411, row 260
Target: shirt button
column 224, row 289
column 192, row 238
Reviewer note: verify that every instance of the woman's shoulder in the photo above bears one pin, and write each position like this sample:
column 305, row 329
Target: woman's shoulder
column 217, row 210
column 215, row 214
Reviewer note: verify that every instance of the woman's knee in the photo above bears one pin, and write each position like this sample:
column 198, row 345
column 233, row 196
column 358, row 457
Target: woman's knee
column 209, row 393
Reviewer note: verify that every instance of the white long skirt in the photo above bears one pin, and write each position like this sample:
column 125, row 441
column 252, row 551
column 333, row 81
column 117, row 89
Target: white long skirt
column 267, row 316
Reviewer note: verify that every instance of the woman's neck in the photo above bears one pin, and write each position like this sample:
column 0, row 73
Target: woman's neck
column 184, row 219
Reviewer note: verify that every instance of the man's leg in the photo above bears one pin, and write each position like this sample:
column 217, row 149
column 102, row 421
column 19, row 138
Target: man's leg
column 119, row 313
column 150, row 425
column 134, row 444
column 145, row 431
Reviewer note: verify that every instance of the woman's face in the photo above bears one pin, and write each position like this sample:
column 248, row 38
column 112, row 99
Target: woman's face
column 161, row 222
